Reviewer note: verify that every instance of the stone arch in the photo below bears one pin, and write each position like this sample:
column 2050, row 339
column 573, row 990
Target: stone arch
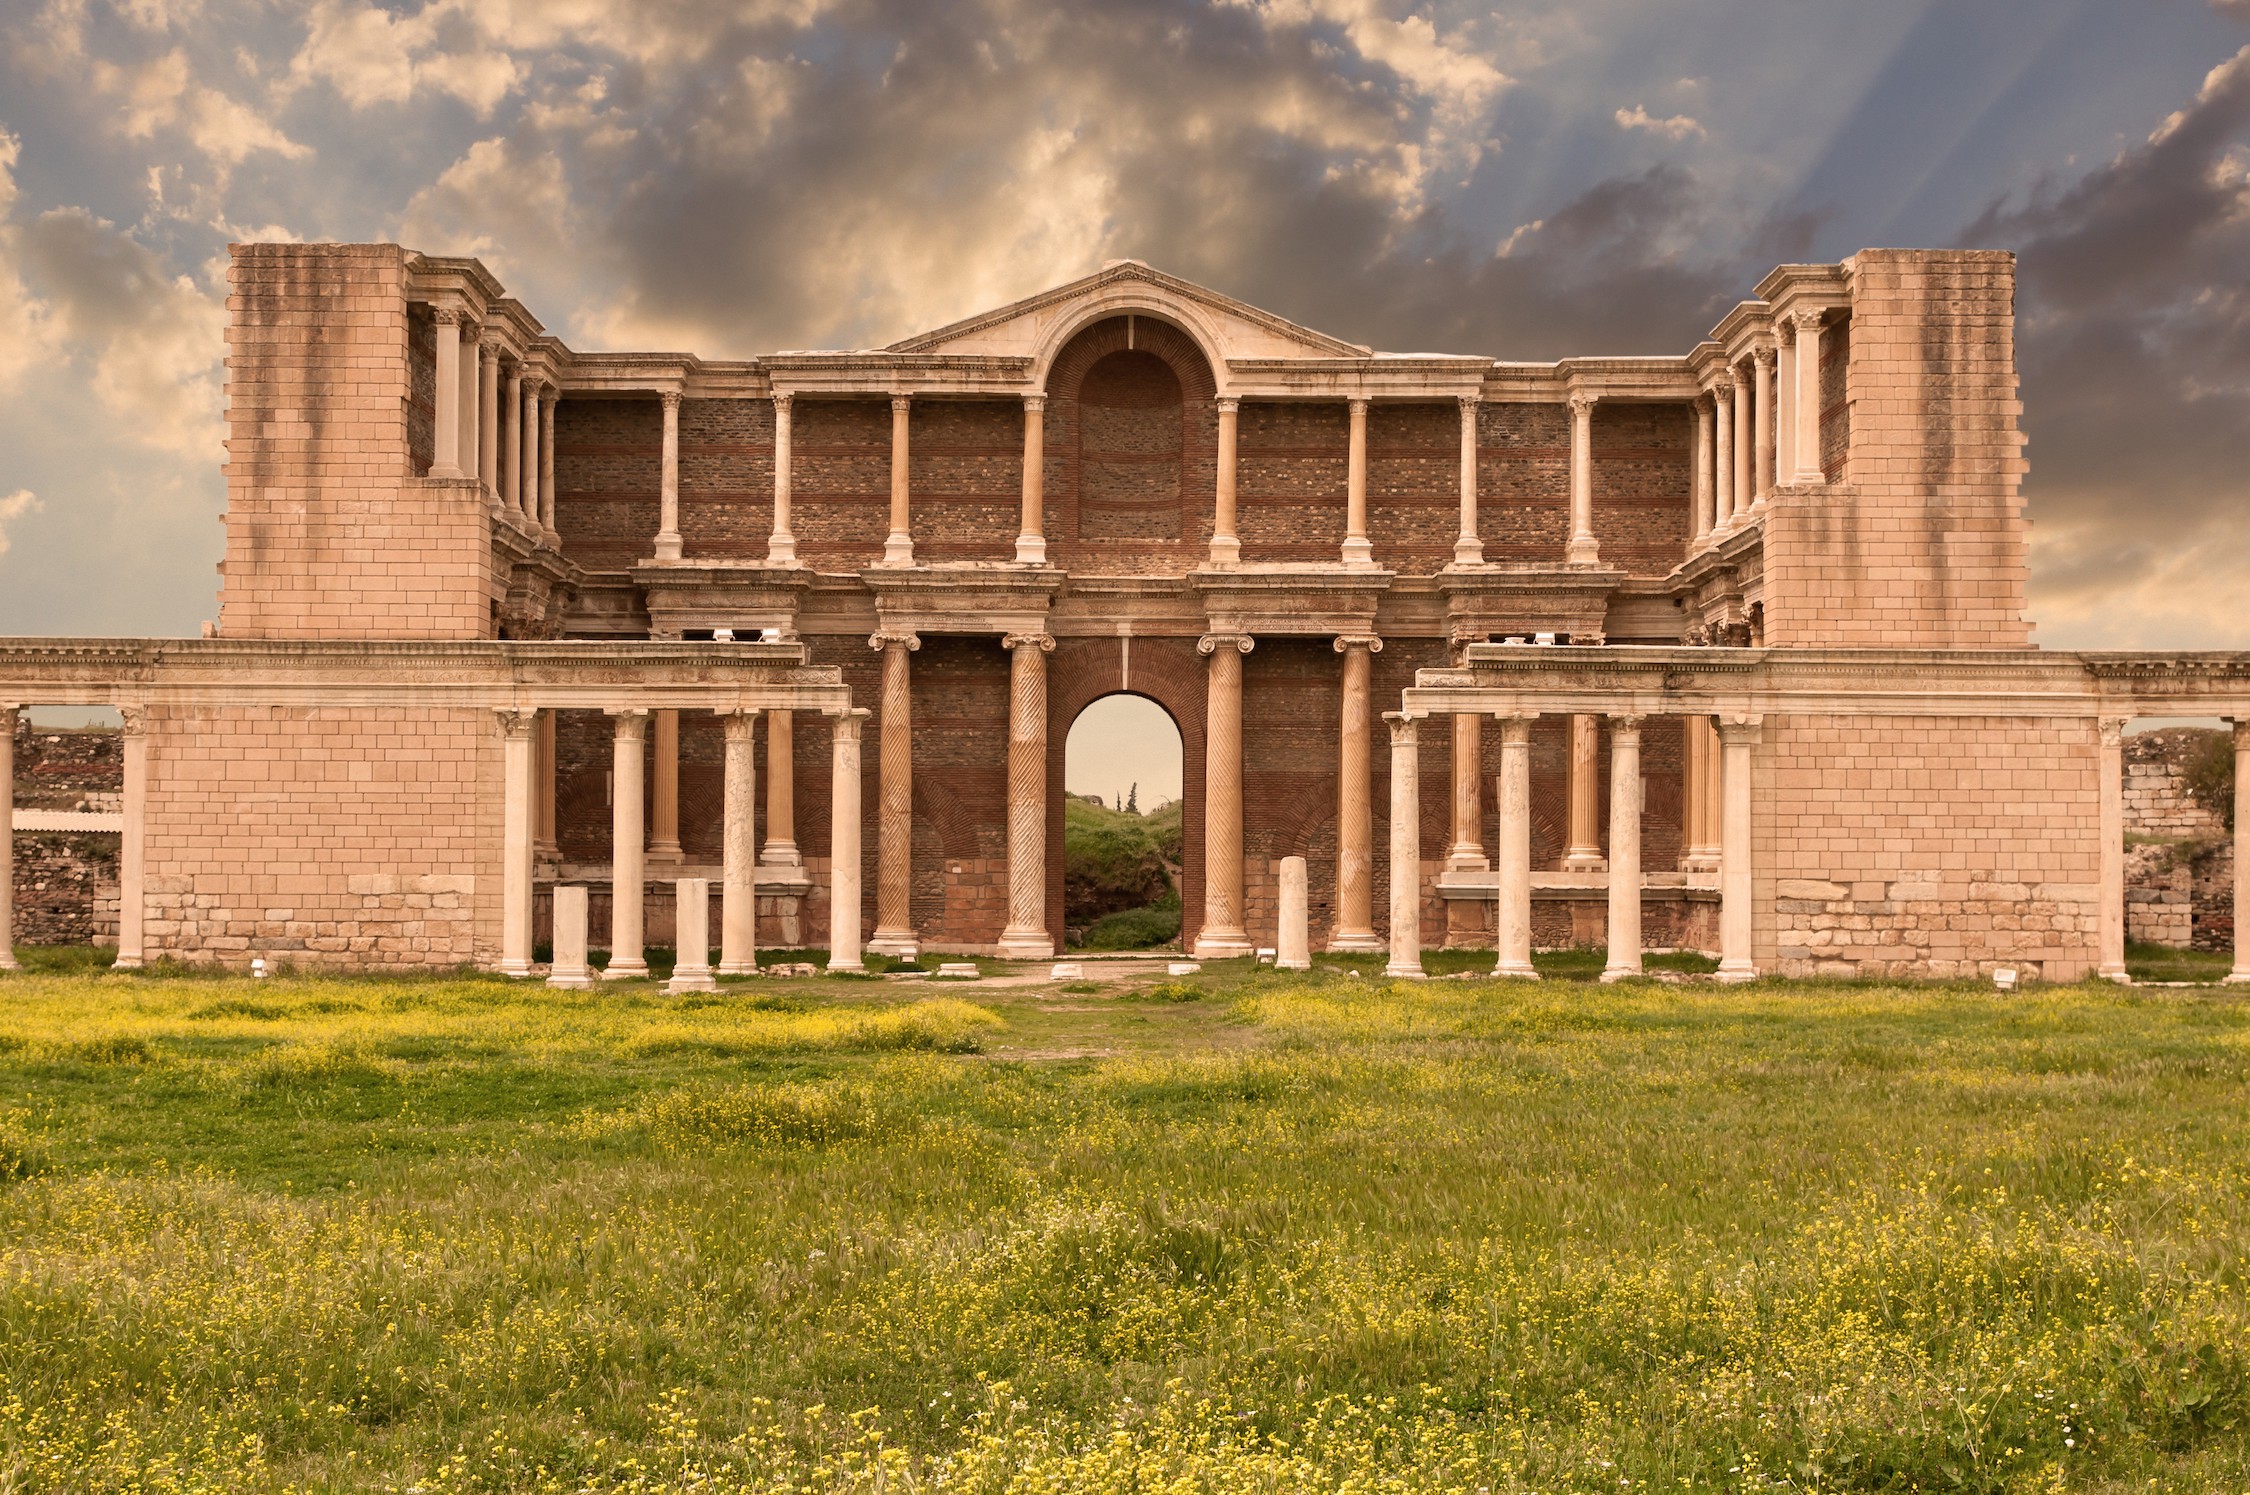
column 1131, row 448
column 1143, row 301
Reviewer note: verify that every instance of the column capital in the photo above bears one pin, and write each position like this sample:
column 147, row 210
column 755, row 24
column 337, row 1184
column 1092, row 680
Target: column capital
column 1469, row 403
column 1515, row 727
column 1764, row 355
column 1359, row 403
column 517, row 721
column 2242, row 733
column 135, row 720
column 492, row 342
column 1705, row 402
column 1405, row 729
column 1741, row 728
column 1043, row 642
column 1212, row 642
column 1625, row 724
column 446, row 316
column 847, row 723
column 671, row 399
column 1808, row 319
column 782, row 399
column 632, row 721
column 1581, row 404
column 1228, row 404
column 1722, row 393
column 1367, row 641
column 740, row 722
column 900, row 404
column 550, row 393
column 1034, row 404
column 881, row 641
column 1737, row 379
column 2112, row 730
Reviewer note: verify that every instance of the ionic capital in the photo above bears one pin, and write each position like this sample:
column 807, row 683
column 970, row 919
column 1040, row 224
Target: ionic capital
column 517, row 721
column 1367, row 641
column 1034, row 404
column 2113, row 730
column 1043, row 642
column 881, row 641
column 1210, row 643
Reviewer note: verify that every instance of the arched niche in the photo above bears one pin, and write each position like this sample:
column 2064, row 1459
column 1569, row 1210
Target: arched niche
column 1132, row 448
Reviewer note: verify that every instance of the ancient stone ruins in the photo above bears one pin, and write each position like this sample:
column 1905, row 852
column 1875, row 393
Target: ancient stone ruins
column 1722, row 650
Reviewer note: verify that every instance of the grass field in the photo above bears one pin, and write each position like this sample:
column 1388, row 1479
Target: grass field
column 1242, row 1232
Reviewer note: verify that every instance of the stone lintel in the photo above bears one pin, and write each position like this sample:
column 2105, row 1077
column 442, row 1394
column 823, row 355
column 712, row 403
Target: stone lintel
column 1280, row 601
column 685, row 594
column 998, row 597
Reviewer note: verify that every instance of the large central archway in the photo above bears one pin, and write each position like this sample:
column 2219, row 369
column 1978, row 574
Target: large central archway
column 1124, row 832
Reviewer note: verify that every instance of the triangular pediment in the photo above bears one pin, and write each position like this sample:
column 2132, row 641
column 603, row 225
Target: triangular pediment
column 1229, row 329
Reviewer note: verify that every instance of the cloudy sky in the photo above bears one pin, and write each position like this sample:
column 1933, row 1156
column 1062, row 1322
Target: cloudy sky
column 1528, row 180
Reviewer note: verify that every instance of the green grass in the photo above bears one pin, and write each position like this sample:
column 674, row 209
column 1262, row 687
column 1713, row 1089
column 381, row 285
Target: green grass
column 2164, row 963
column 1249, row 1232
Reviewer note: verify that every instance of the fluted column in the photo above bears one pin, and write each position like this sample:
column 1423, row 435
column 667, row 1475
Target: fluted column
column 1468, row 549
column 1722, row 465
column 843, row 843
column 894, row 831
column 511, row 439
column 1355, row 814
column 1704, row 491
column 1744, row 449
column 781, row 545
column 445, row 455
column 1406, row 847
column 1466, row 854
column 543, row 844
column 1624, row 849
column 1226, row 545
column 668, row 544
column 547, row 398
column 488, row 416
column 527, row 491
column 664, row 800
column 1513, row 855
column 898, row 548
column 1031, row 543
column 738, row 849
column 1358, row 549
column 781, row 791
column 7, row 838
column 1762, row 471
column 2241, row 971
column 1585, row 550
column 518, row 740
column 627, row 865
column 1026, row 937
column 1222, row 933
column 1582, row 850
column 1806, row 447
column 1736, row 740
column 2110, row 928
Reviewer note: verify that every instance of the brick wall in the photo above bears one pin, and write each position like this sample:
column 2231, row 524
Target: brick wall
column 1131, row 450
column 609, row 468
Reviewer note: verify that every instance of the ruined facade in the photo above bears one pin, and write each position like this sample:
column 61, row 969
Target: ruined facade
column 1728, row 640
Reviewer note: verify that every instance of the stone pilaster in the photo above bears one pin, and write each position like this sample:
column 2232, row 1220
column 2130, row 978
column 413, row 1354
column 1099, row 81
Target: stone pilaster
column 2110, row 933
column 781, row 791
column 1585, row 550
column 843, row 843
column 445, row 459
column 738, row 847
column 1226, row 545
column 1722, row 463
column 1026, row 937
column 1468, row 549
column 1406, row 848
column 1737, row 740
column 1624, row 849
column 781, row 545
column 1222, row 934
column 519, row 732
column 1031, row 541
column 1355, row 814
column 898, row 548
column 627, row 865
column 1358, row 549
column 7, row 838
column 132, row 847
column 1466, row 854
column 1512, row 927
column 894, row 830
column 664, row 801
column 1582, row 851
column 669, row 546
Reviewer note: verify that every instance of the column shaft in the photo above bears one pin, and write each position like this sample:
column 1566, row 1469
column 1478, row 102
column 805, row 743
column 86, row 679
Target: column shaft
column 1784, row 412
column 132, row 849
column 781, row 791
column 1584, row 549
column 1513, row 926
column 1026, row 937
column 2110, row 935
column 669, row 546
column 664, row 800
column 519, row 732
column 511, row 439
column 1624, row 849
column 627, row 864
column 1736, row 740
column 527, row 494
column 1807, row 444
column 445, row 455
column 1713, row 816
column 1743, row 447
column 738, row 853
column 1582, row 852
column 2241, row 971
column 1222, row 934
column 543, row 847
column 1358, row 549
column 1354, row 928
column 1762, row 471
column 898, row 548
column 1226, row 546
column 1406, row 847
column 569, row 970
column 691, row 939
column 547, row 464
column 894, row 844
column 1468, row 549
column 469, row 382
column 1031, row 543
column 1722, row 466
column 781, row 545
column 1705, row 516
column 488, row 418
column 1466, row 854
column 7, row 838
column 843, row 844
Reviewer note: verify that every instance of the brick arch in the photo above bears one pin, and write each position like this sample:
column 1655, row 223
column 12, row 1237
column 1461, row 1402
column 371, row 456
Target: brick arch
column 1167, row 671
column 1092, row 527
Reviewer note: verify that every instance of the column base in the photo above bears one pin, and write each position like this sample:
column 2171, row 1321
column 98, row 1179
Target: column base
column 506, row 967
column 668, row 547
column 738, row 967
column 1223, row 944
column 898, row 550
column 1584, row 861
column 1403, row 972
column 1359, row 552
column 2237, row 978
column 691, row 978
column 1468, row 551
column 8, row 962
column 1622, row 973
column 781, row 854
column 578, row 980
column 1029, row 944
column 781, row 550
column 1356, row 942
column 1804, row 479
column 635, row 969
column 899, row 944
column 1226, row 550
column 1584, row 551
column 1031, row 550
column 445, row 470
column 2118, row 974
column 663, row 852
column 853, row 967
column 1467, row 861
column 1733, row 971
column 1516, row 970
column 127, row 963
column 1696, row 861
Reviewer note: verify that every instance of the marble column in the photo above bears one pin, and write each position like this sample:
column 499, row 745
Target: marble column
column 1513, row 925
column 569, row 970
column 1292, row 945
column 664, row 796
column 1713, row 818
column 781, row 791
column 781, row 545
column 894, row 830
column 1784, row 404
column 519, row 731
column 1226, row 545
column 132, row 848
column 1354, row 928
column 898, row 548
column 445, row 456
column 1406, row 847
column 627, row 867
column 1222, row 934
column 1722, row 465
column 1736, row 740
column 7, row 838
column 543, row 845
column 843, row 843
column 1466, row 854
column 1806, row 446
column 738, row 848
column 511, row 439
column 470, row 382
column 1031, row 544
column 1705, row 504
column 1582, row 851
column 2110, row 928
column 527, row 495
column 1744, row 449
column 547, row 398
column 2241, row 972
column 1761, row 479
column 1624, row 849
column 1584, row 549
column 1468, row 549
column 669, row 546
column 1026, row 937
column 488, row 417
column 1359, row 551
column 691, row 938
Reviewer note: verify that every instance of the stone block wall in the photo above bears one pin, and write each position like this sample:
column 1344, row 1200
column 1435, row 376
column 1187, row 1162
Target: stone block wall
column 1926, row 846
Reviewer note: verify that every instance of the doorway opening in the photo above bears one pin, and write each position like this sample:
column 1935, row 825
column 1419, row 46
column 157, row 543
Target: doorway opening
column 1122, row 835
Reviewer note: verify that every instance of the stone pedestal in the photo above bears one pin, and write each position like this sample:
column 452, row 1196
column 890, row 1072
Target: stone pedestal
column 1293, row 942
column 691, row 937
column 570, row 970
